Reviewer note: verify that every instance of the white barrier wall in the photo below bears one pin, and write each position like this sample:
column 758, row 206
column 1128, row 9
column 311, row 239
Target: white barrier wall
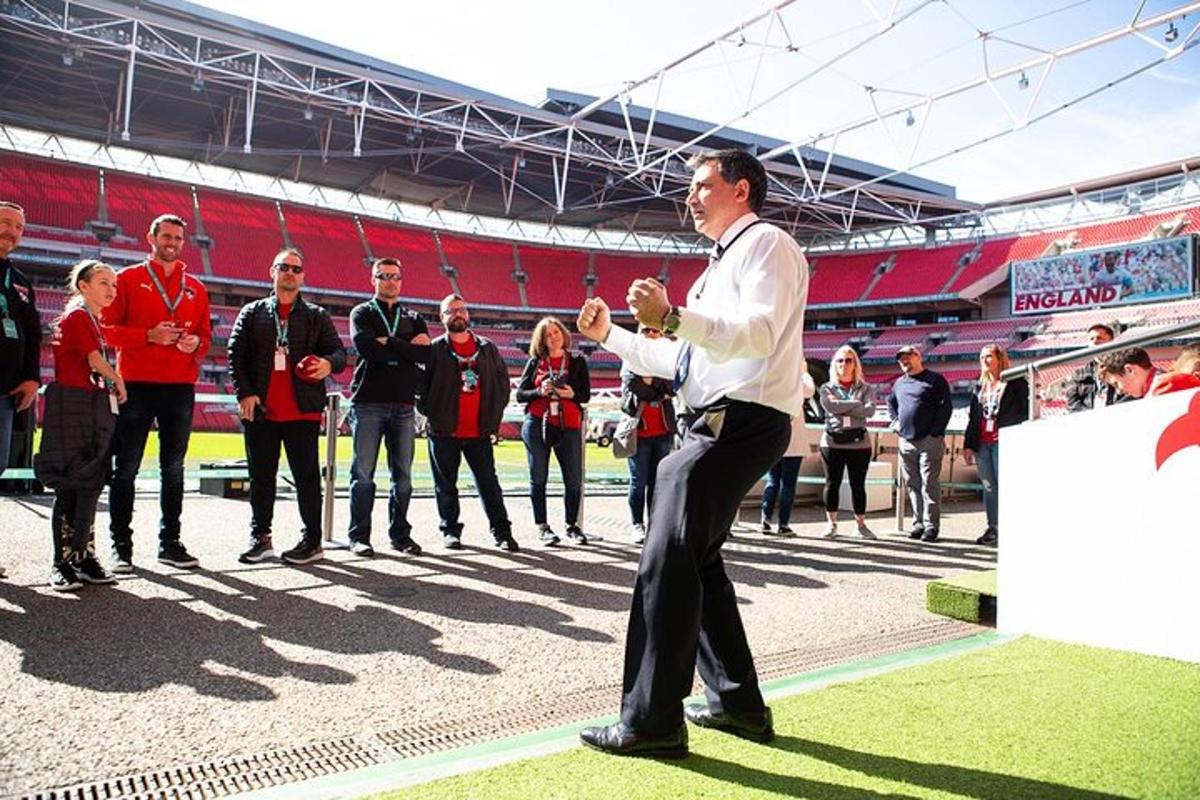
column 1100, row 544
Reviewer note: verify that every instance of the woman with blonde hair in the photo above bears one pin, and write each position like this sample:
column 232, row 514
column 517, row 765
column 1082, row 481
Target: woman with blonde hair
column 848, row 401
column 75, row 455
column 553, row 386
column 995, row 404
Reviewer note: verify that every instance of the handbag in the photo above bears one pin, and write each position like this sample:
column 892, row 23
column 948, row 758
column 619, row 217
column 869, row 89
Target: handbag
column 847, row 435
column 625, row 437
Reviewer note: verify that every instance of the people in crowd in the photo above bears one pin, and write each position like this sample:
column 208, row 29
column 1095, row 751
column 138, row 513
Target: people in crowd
column 281, row 350
column 649, row 399
column 20, row 334
column 392, row 344
column 466, row 390
column 737, row 364
column 995, row 404
column 160, row 326
column 1085, row 389
column 919, row 406
column 848, row 402
column 781, row 480
column 1184, row 374
column 1130, row 371
column 554, row 386
column 75, row 453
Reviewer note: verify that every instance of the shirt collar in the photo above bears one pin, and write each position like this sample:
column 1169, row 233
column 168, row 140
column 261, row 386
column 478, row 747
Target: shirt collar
column 740, row 224
column 180, row 267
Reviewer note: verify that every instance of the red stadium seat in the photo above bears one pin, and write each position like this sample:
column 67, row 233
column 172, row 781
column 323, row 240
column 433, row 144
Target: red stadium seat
column 333, row 251
column 417, row 251
column 556, row 277
column 484, row 270
column 245, row 232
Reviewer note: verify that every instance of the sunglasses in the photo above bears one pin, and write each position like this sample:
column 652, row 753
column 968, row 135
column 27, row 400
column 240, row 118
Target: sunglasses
column 450, row 312
column 387, row 276
column 294, row 268
column 843, row 360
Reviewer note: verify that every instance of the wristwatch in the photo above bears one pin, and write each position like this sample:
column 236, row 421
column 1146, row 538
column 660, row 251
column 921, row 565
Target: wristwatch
column 671, row 321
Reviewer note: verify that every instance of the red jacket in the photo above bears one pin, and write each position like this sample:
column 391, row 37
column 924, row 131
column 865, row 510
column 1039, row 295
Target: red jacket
column 139, row 307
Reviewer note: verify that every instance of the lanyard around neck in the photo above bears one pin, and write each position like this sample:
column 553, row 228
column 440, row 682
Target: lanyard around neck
column 162, row 290
column 391, row 326
column 281, row 326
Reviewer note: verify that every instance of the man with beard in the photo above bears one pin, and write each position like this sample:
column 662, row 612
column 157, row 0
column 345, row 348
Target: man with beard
column 161, row 329
column 467, row 390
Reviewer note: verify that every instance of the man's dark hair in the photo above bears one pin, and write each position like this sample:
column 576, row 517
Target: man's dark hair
column 288, row 251
column 1100, row 326
column 387, row 261
column 168, row 218
column 735, row 165
column 1114, row 363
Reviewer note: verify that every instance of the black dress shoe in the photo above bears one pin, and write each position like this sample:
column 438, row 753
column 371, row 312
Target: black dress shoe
column 757, row 727
column 621, row 740
column 917, row 532
column 931, row 535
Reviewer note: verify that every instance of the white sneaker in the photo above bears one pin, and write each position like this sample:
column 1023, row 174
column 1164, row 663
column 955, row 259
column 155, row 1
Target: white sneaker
column 830, row 531
column 637, row 533
column 866, row 532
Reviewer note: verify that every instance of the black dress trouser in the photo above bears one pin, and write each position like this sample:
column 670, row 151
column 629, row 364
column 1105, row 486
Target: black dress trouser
column 685, row 613
column 299, row 439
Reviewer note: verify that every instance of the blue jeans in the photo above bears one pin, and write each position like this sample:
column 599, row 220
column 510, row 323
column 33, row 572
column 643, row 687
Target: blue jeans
column 171, row 405
column 371, row 423
column 445, row 456
column 7, row 412
column 567, row 446
column 781, row 486
column 988, row 461
column 643, row 471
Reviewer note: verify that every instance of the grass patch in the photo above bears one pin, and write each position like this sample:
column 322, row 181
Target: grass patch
column 969, row 596
column 1029, row 719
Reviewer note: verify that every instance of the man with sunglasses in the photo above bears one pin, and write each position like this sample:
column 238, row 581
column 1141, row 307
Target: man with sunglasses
column 161, row 329
column 392, row 344
column 464, row 398
column 281, row 351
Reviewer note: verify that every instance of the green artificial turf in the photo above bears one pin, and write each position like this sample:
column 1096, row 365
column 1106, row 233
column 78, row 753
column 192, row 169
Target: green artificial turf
column 1027, row 719
column 968, row 596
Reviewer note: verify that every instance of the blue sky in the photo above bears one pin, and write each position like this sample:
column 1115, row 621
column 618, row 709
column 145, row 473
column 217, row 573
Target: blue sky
column 520, row 48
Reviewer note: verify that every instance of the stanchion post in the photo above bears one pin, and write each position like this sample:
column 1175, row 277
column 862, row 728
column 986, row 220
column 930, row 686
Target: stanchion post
column 1031, row 377
column 583, row 434
column 901, row 491
column 332, row 405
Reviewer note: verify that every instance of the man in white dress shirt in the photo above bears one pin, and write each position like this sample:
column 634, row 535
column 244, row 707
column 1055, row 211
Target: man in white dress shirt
column 738, row 363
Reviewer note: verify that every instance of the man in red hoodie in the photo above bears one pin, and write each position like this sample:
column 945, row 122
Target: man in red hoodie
column 161, row 329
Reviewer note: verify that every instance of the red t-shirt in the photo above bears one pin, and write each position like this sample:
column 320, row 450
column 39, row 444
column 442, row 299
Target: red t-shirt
column 654, row 421
column 468, row 398
column 281, row 392
column 569, row 415
column 75, row 336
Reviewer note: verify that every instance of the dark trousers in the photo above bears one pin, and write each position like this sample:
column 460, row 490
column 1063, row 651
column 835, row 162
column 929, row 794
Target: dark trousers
column 264, row 439
column 72, row 524
column 781, row 487
column 643, row 473
column 567, row 446
column 170, row 404
column 838, row 461
column 445, row 456
column 685, row 613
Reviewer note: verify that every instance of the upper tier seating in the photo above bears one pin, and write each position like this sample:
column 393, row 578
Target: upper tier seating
column 134, row 201
column 53, row 194
column 842, row 278
column 333, row 251
column 484, row 270
column 245, row 232
column 615, row 272
column 417, row 251
column 918, row 273
column 556, row 277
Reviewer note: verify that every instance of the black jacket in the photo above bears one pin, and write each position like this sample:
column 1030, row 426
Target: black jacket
column 1014, row 409
column 1083, row 386
column 577, row 379
column 386, row 373
column 252, row 350
column 635, row 391
column 77, row 435
column 19, row 360
column 443, row 385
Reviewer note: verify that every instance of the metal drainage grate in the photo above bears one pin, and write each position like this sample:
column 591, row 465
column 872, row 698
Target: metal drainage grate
column 224, row 777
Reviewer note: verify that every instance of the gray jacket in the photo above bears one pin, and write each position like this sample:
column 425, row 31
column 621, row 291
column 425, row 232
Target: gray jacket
column 855, row 407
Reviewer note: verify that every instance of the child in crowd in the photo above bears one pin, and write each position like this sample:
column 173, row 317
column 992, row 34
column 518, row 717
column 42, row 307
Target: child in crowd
column 75, row 454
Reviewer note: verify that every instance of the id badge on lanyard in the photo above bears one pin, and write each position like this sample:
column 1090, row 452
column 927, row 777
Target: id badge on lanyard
column 10, row 324
column 10, row 328
column 989, row 425
column 280, row 358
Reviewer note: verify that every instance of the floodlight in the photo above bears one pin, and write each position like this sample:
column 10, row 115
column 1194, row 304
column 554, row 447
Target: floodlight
column 1172, row 33
column 308, row 115
column 910, row 120
column 1023, row 81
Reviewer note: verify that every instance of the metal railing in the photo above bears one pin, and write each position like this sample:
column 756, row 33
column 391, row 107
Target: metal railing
column 1030, row 370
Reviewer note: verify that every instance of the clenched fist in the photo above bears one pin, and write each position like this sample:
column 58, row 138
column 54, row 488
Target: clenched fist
column 594, row 320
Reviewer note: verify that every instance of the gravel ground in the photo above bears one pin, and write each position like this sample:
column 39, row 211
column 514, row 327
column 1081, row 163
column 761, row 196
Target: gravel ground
column 172, row 667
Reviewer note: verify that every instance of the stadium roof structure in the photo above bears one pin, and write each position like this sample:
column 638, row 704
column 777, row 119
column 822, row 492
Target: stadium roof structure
column 177, row 79
column 171, row 78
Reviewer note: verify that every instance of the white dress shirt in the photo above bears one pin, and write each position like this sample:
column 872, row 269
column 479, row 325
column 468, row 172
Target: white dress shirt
column 744, row 317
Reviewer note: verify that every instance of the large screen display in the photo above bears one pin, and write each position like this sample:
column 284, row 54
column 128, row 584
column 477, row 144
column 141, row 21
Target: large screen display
column 1140, row 272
